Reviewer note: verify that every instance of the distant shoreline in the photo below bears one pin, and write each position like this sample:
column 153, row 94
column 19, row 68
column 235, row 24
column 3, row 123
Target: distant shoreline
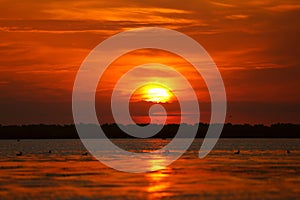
column 43, row 131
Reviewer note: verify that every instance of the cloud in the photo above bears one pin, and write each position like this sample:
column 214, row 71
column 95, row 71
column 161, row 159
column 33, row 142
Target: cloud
column 236, row 17
column 27, row 30
column 4, row 82
column 226, row 5
column 284, row 7
column 133, row 14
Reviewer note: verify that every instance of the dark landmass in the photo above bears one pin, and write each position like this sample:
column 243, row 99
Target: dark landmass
column 42, row 131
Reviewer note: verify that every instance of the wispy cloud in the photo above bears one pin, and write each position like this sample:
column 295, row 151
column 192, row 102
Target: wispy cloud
column 237, row 17
column 150, row 15
column 4, row 82
column 226, row 5
column 284, row 7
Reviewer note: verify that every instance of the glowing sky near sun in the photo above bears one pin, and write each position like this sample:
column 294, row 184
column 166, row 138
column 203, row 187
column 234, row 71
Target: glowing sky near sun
column 255, row 44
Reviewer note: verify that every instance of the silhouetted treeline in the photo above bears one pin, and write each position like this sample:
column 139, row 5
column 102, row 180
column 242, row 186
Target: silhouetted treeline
column 42, row 131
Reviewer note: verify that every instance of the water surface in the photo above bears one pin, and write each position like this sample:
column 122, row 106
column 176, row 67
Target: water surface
column 262, row 170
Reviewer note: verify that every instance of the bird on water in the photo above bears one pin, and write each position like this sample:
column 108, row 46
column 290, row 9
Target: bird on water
column 237, row 152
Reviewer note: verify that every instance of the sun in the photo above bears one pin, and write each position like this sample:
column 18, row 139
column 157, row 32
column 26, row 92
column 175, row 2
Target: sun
column 155, row 93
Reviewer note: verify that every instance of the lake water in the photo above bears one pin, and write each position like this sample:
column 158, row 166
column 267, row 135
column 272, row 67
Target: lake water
column 262, row 170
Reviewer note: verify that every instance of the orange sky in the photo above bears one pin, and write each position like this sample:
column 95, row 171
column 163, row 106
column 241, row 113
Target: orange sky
column 254, row 43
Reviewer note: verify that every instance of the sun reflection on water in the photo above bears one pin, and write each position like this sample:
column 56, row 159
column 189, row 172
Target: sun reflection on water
column 158, row 180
